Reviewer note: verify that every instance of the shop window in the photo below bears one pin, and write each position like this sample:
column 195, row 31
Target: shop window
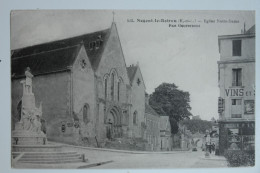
column 241, row 136
column 234, row 139
column 249, row 142
column 236, row 47
column 237, row 77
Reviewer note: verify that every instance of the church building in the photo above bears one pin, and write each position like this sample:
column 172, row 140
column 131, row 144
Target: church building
column 86, row 89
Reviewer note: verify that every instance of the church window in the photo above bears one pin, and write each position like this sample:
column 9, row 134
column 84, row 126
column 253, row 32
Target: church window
column 112, row 85
column 135, row 118
column 118, row 91
column 91, row 45
column 86, row 113
column 105, row 88
column 138, row 81
column 83, row 63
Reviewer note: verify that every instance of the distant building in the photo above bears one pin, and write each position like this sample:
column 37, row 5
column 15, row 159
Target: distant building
column 197, row 117
column 236, row 78
column 185, row 137
column 165, row 133
column 213, row 120
column 152, row 131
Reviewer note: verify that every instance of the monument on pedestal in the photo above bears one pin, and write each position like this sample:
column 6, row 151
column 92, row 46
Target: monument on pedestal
column 28, row 130
column 29, row 143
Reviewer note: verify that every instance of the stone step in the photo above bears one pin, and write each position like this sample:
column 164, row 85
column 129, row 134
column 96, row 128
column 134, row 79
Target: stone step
column 49, row 159
column 52, row 161
column 51, row 153
column 51, row 156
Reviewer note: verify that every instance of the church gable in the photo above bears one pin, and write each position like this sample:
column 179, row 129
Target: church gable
column 113, row 57
column 82, row 62
column 135, row 76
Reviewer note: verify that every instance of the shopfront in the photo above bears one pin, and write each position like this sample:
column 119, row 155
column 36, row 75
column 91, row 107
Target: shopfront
column 237, row 136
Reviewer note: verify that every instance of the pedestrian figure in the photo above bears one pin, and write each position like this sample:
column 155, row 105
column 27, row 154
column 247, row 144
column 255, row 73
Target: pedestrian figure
column 210, row 148
column 213, row 148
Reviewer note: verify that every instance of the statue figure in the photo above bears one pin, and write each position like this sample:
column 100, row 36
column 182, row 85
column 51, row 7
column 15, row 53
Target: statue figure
column 28, row 80
column 25, row 119
column 35, row 124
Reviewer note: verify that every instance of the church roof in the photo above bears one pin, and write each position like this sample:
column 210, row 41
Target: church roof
column 251, row 30
column 90, row 42
column 150, row 110
column 131, row 70
column 45, row 62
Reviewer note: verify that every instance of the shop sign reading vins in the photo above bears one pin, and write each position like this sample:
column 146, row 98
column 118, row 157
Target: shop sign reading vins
column 238, row 92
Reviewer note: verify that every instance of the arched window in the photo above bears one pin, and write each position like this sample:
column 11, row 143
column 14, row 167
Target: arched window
column 105, row 88
column 118, row 90
column 112, row 86
column 86, row 113
column 135, row 118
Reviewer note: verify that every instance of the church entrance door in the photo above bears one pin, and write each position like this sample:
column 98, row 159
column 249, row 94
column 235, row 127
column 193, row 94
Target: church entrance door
column 114, row 126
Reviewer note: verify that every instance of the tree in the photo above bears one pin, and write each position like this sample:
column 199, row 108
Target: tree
column 168, row 100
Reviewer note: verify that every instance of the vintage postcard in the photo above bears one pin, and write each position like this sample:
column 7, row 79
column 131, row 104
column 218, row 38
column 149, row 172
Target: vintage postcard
column 132, row 89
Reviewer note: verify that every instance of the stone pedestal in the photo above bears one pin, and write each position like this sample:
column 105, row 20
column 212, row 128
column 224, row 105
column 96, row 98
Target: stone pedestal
column 28, row 101
column 26, row 137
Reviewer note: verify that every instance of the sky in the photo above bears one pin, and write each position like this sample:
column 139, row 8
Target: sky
column 185, row 56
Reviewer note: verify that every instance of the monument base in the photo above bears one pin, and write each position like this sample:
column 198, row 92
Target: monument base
column 26, row 137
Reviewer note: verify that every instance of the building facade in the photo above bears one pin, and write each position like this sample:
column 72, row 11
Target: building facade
column 166, row 142
column 237, row 91
column 152, row 129
column 86, row 89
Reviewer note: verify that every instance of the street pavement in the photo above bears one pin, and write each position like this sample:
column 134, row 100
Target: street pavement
column 178, row 159
column 112, row 159
column 115, row 159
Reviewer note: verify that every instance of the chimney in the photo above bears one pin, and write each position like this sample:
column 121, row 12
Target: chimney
column 147, row 97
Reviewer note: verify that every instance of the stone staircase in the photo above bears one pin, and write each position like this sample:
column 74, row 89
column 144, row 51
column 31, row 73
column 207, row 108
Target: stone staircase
column 48, row 157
